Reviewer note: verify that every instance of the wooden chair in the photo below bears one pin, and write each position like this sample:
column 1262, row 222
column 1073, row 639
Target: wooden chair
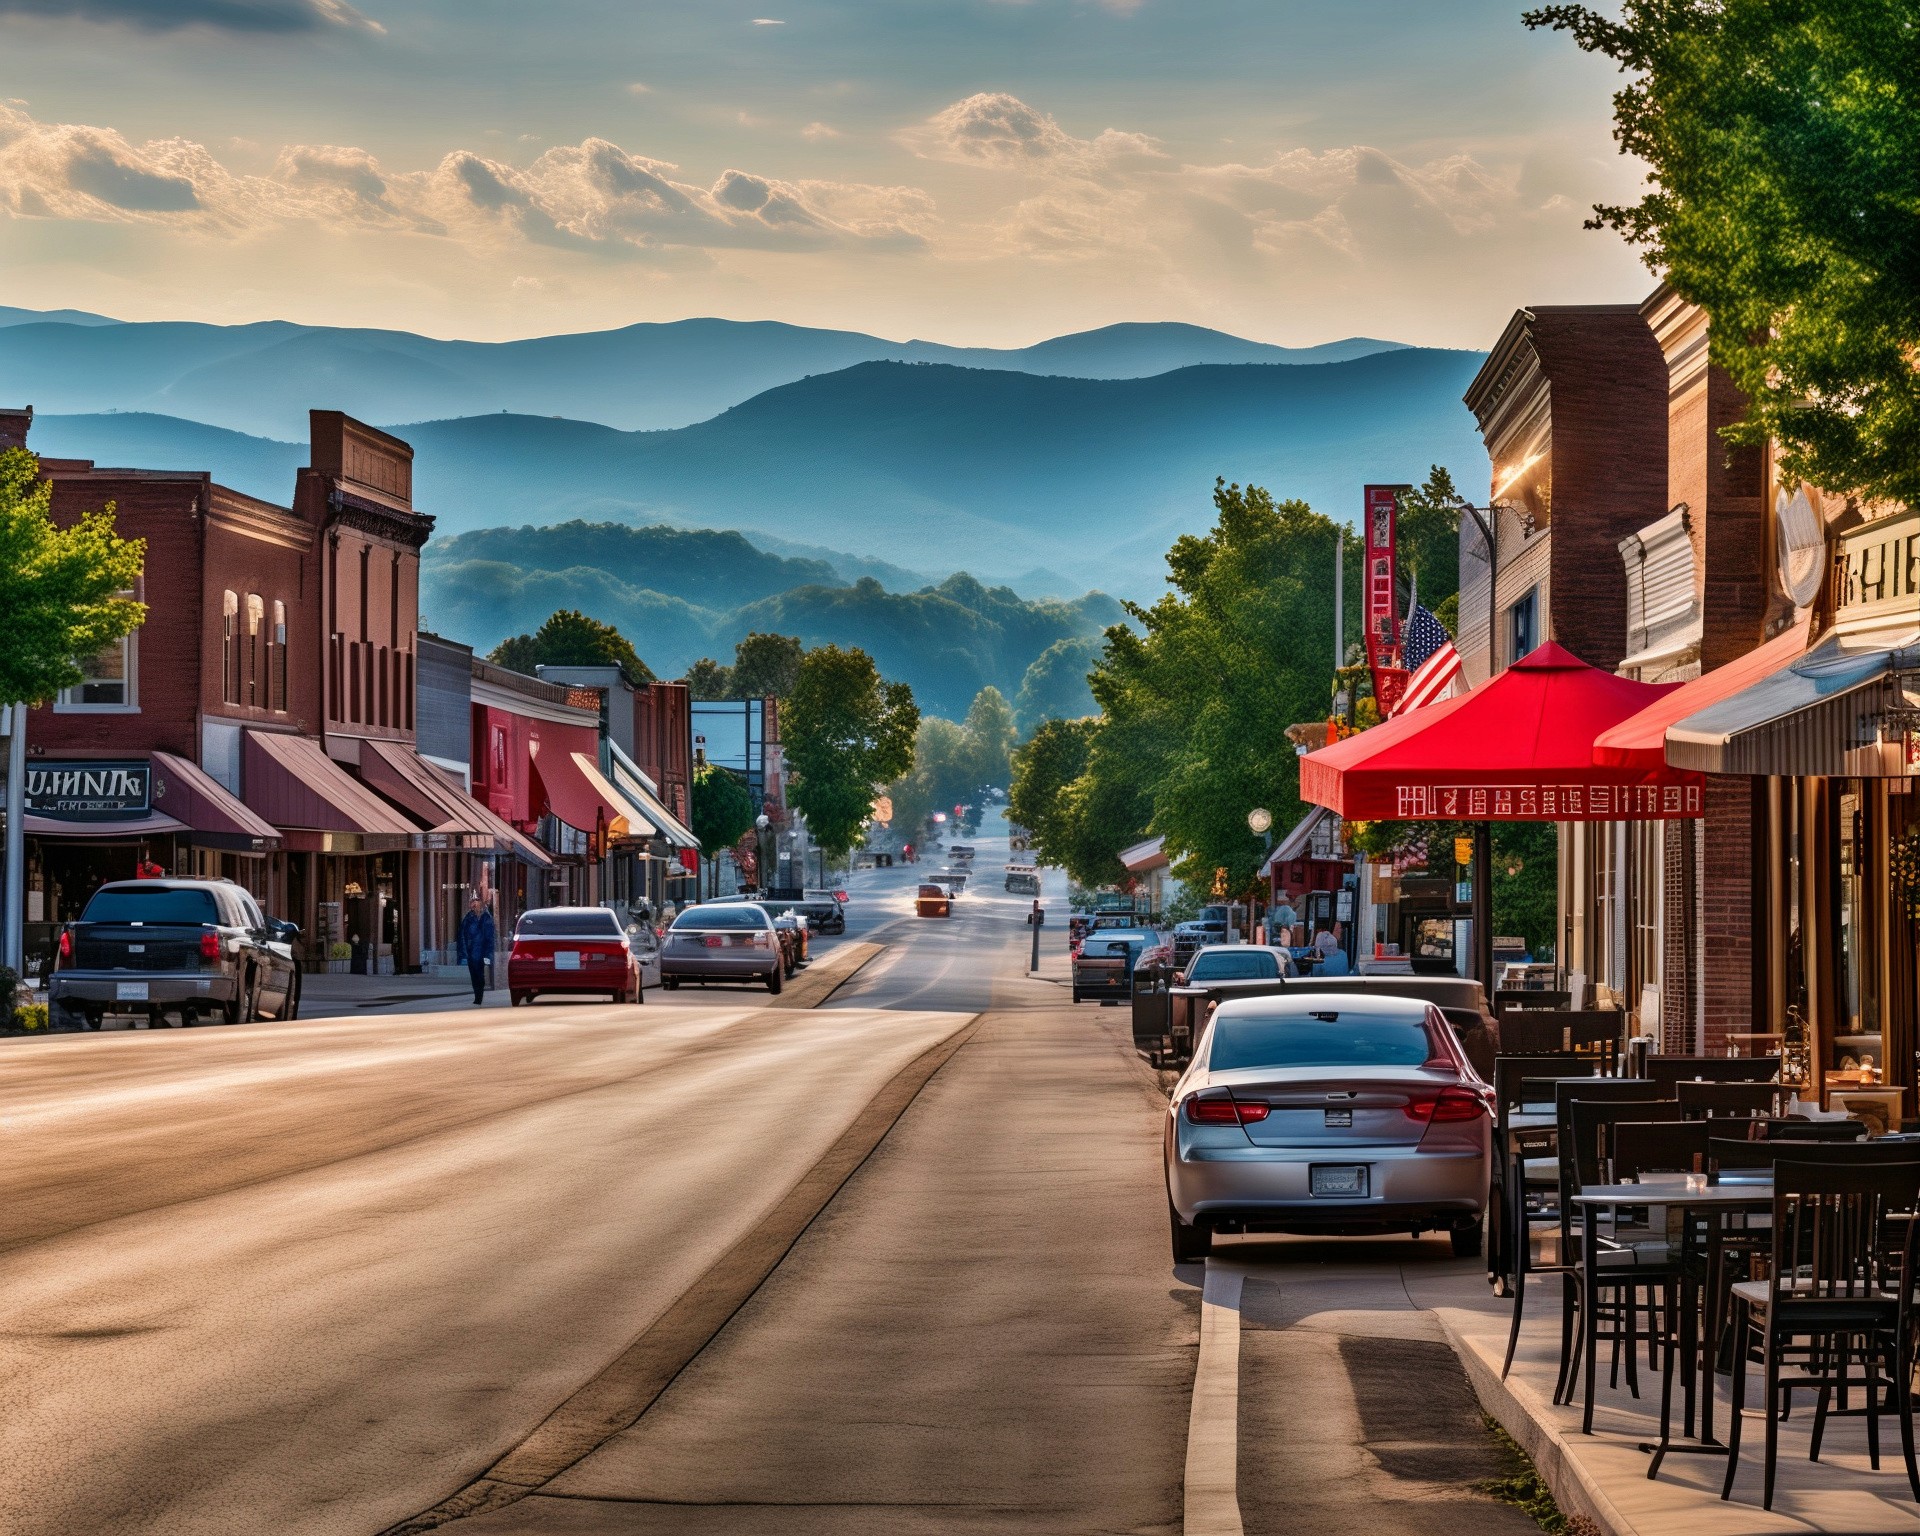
column 1748, row 1101
column 1793, row 1128
column 1669, row 1071
column 1837, row 1291
column 1547, row 1031
column 1658, row 1146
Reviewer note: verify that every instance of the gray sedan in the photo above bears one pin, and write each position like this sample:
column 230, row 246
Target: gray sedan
column 1314, row 1113
column 723, row 941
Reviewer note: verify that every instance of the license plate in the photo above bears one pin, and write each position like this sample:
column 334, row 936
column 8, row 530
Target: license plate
column 1339, row 1181
column 130, row 991
column 1342, row 1118
column 566, row 959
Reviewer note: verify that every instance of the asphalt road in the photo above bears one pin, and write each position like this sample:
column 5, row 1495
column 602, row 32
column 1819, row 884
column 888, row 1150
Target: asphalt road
column 893, row 1264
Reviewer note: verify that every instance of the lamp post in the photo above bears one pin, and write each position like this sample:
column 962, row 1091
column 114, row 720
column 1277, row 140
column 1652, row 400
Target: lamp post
column 760, row 825
column 1260, row 824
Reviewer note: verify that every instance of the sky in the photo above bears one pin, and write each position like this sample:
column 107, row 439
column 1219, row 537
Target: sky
column 981, row 172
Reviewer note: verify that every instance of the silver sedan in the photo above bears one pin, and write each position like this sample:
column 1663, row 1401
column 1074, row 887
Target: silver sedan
column 1327, row 1113
column 723, row 941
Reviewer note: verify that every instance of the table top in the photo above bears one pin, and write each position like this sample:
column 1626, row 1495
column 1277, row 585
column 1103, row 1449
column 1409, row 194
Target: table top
column 1532, row 1120
column 1675, row 1192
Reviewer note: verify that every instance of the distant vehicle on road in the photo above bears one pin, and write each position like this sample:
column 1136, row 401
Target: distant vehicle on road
column 961, row 854
column 955, row 880
column 932, row 901
column 1239, row 962
column 826, row 908
column 723, row 941
column 1210, row 927
column 1023, row 880
column 572, row 950
column 1309, row 1112
column 195, row 949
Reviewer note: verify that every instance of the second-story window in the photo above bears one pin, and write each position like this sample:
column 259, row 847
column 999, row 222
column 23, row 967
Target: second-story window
column 230, row 647
column 108, row 678
column 1523, row 626
column 277, row 671
column 256, row 663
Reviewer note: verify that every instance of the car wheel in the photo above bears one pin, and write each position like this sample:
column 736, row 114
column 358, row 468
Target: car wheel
column 670, row 983
column 518, row 999
column 1466, row 1241
column 1191, row 1244
column 775, row 981
column 290, row 1009
column 61, row 1017
column 640, row 991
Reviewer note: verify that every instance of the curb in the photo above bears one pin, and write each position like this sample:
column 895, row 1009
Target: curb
column 825, row 976
column 1526, row 1416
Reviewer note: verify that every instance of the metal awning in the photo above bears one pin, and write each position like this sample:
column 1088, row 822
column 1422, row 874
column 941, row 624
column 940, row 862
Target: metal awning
column 632, row 781
column 1819, row 716
column 292, row 782
column 410, row 781
column 1141, row 857
column 216, row 818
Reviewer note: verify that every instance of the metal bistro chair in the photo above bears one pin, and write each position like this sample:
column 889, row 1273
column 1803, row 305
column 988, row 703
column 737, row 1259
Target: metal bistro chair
column 1544, row 1031
column 1718, row 1101
column 1670, row 1071
column 1838, row 1288
column 1520, row 1081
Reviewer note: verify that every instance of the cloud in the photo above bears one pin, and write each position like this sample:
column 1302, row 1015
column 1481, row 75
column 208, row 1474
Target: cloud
column 639, row 88
column 269, row 16
column 589, row 197
column 815, row 133
column 993, row 128
column 767, row 21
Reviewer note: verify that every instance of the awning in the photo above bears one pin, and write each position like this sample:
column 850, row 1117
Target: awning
column 1298, row 843
column 216, row 818
column 1517, row 748
column 578, row 793
column 154, row 825
column 632, row 782
column 292, row 782
column 1820, row 715
column 1640, row 741
column 1141, row 857
column 405, row 777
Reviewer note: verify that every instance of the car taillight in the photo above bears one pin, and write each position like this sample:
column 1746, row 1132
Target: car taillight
column 518, row 952
column 1450, row 1104
column 209, row 945
column 66, row 944
column 1225, row 1111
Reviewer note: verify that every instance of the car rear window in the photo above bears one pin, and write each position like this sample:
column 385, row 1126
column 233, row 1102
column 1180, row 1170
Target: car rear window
column 150, row 904
column 719, row 917
column 1253, row 965
column 598, row 924
column 1330, row 1038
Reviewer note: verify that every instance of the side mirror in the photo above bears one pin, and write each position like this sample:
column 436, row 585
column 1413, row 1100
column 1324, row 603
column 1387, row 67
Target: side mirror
column 281, row 929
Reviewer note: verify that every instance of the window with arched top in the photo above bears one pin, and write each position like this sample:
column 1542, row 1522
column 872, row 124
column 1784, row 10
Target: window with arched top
column 230, row 647
column 256, row 663
column 277, row 671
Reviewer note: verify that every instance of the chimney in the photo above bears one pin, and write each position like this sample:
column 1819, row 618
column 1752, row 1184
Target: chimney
column 14, row 422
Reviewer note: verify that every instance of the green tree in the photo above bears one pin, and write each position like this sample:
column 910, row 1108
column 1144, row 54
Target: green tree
column 1044, row 768
column 570, row 639
column 1427, row 533
column 846, row 732
column 707, row 679
column 58, row 586
column 1526, row 858
column 941, row 777
column 722, row 812
column 765, row 666
column 1055, row 684
column 990, row 738
column 1782, row 139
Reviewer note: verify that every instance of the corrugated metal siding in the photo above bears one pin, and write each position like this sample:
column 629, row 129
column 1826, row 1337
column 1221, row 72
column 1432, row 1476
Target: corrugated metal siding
column 444, row 702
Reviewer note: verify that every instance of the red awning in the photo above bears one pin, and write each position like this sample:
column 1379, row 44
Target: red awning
column 1519, row 748
column 413, row 783
column 578, row 793
column 218, row 819
column 293, row 783
column 1640, row 741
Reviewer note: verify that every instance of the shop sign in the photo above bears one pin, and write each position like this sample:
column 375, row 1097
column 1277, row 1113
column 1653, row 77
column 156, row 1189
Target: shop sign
column 1547, row 802
column 89, row 791
column 1382, row 503
column 1876, row 571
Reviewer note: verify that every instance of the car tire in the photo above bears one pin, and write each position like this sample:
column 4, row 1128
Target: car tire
column 775, row 981
column 670, row 983
column 1466, row 1241
column 640, row 992
column 61, row 1017
column 290, row 1009
column 517, row 999
column 1191, row 1244
column 245, row 1008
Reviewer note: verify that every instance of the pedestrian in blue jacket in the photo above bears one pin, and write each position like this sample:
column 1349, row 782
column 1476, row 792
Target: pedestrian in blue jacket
column 476, row 944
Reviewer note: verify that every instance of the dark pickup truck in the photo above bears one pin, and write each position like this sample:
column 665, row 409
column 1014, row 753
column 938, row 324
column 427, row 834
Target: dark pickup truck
column 193, row 949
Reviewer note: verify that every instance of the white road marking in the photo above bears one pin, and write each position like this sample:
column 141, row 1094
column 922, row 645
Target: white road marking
column 1213, row 1429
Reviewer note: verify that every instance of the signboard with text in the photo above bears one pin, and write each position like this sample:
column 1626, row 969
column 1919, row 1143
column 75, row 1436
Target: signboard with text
column 1378, row 605
column 89, row 791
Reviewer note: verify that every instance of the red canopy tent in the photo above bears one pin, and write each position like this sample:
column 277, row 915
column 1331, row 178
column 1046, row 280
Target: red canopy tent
column 1518, row 748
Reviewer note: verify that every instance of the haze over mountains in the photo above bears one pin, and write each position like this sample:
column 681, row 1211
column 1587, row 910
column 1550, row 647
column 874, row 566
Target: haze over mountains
column 262, row 379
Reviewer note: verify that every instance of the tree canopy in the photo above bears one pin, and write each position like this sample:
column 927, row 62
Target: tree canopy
column 765, row 666
column 1054, row 686
column 722, row 809
column 709, row 679
column 1783, row 142
column 846, row 732
column 1043, row 770
column 59, row 587
column 571, row 639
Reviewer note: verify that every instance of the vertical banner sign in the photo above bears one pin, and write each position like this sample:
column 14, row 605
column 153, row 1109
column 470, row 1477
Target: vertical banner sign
column 1382, row 617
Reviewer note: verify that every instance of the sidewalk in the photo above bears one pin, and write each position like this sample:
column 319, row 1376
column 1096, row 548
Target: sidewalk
column 1603, row 1476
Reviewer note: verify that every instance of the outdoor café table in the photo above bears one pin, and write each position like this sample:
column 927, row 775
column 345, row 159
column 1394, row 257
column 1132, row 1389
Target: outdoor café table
column 1661, row 1193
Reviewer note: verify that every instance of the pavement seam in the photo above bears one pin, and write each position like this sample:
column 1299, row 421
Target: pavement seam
column 1211, row 1492
column 616, row 1398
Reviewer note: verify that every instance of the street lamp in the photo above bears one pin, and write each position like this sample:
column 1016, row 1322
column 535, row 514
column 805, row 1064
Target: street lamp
column 1258, row 820
column 760, row 825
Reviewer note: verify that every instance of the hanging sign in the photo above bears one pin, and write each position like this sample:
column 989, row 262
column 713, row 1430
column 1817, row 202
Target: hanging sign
column 1382, row 507
column 89, row 791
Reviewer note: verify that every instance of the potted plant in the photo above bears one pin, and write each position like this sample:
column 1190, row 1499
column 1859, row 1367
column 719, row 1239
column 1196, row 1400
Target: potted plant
column 339, row 957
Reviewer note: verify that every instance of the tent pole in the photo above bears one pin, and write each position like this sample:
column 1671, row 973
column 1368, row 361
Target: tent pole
column 1483, row 905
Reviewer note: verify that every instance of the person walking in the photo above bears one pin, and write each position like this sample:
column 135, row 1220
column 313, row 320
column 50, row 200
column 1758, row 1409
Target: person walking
column 476, row 944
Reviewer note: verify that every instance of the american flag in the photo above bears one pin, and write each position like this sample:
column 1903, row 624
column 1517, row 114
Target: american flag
column 1431, row 659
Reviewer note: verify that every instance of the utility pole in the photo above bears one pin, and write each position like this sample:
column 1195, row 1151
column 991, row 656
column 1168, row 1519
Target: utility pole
column 13, row 937
column 1487, row 520
column 1339, row 600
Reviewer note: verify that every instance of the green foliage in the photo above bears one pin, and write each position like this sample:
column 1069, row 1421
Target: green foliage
column 846, row 732
column 1043, row 769
column 952, row 763
column 1427, row 533
column 1783, row 141
column 722, row 809
column 1526, row 862
column 1055, row 684
column 990, row 738
column 765, row 666
column 58, row 586
column 570, row 639
column 708, row 679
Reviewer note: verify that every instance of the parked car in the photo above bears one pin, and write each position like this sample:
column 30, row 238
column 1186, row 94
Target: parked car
column 792, row 928
column 1239, row 962
column 1103, row 970
column 826, row 910
column 723, row 941
column 962, row 854
column 643, row 938
column 932, row 901
column 1210, row 927
column 571, row 950
column 195, row 949
column 1309, row 1113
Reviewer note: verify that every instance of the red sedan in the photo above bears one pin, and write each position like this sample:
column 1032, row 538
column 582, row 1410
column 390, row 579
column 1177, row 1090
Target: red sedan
column 572, row 949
